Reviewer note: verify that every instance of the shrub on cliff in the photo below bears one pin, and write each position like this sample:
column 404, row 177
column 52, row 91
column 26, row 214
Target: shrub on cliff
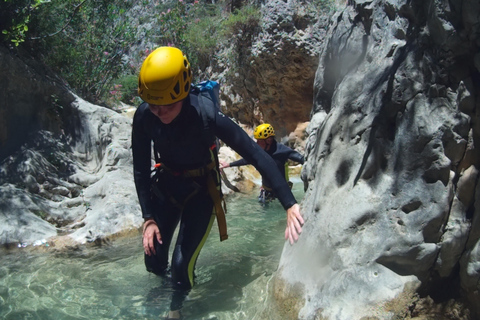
column 89, row 42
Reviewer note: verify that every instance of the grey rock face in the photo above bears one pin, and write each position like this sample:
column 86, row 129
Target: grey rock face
column 392, row 166
column 67, row 165
column 277, row 61
column 91, row 199
column 27, row 106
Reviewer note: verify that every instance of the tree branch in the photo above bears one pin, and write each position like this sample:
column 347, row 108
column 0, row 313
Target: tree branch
column 66, row 24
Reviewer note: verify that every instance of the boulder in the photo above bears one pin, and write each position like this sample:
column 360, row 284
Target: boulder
column 391, row 207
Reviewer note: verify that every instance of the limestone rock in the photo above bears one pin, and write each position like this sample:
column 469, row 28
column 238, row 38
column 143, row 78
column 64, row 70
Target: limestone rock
column 392, row 170
column 70, row 173
column 274, row 82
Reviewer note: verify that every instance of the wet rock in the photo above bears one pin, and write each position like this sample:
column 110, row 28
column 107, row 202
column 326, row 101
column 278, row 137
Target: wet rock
column 391, row 170
column 278, row 59
column 74, row 178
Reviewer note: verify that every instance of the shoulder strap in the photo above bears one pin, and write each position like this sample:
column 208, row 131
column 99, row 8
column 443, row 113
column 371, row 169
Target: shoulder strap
column 208, row 99
column 208, row 104
column 207, row 93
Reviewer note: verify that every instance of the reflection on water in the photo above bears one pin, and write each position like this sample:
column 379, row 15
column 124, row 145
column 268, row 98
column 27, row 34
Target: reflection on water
column 110, row 282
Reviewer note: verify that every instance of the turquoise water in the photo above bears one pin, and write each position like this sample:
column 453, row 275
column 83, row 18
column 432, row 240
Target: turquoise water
column 110, row 282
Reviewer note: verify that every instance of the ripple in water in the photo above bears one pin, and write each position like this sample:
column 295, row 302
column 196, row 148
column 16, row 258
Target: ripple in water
column 110, row 282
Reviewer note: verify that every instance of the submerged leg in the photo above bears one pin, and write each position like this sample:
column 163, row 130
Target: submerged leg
column 166, row 221
column 261, row 196
column 197, row 220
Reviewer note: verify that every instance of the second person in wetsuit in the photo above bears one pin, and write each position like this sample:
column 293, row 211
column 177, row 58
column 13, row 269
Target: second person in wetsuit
column 265, row 136
column 185, row 189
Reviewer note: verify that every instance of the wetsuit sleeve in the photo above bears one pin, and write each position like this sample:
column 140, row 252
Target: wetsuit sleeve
column 142, row 154
column 296, row 156
column 239, row 163
column 237, row 139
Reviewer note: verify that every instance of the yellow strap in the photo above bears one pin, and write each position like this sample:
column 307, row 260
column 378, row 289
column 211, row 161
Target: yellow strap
column 200, row 172
column 215, row 194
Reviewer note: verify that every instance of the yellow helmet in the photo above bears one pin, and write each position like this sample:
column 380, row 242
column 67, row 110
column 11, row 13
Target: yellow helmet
column 264, row 131
column 165, row 77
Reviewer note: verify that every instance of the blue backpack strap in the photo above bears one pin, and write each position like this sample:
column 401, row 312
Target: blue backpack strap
column 208, row 98
column 207, row 93
column 213, row 89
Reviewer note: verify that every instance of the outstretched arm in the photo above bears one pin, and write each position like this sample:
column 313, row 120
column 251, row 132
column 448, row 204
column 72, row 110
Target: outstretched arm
column 294, row 223
column 296, row 156
column 237, row 139
column 223, row 164
column 237, row 163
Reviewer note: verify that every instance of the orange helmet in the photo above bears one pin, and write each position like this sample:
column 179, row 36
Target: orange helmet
column 165, row 77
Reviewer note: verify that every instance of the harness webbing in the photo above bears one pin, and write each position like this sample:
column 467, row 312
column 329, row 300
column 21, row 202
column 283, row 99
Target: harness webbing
column 219, row 210
column 213, row 190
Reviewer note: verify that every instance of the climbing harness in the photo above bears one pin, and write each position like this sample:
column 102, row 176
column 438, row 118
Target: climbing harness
column 180, row 186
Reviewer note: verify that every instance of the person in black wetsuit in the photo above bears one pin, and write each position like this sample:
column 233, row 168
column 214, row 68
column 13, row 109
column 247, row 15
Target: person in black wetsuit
column 185, row 188
column 265, row 136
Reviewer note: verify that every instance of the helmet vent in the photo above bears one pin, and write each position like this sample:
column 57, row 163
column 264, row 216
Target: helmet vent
column 187, row 86
column 177, row 88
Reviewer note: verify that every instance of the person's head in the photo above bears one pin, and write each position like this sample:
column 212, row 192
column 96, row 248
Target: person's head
column 164, row 81
column 264, row 134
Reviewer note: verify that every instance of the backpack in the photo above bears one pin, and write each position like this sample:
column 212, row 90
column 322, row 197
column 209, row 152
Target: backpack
column 209, row 103
column 208, row 97
column 208, row 92
column 212, row 88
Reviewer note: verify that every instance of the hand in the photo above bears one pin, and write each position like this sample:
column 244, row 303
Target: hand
column 150, row 230
column 223, row 164
column 294, row 223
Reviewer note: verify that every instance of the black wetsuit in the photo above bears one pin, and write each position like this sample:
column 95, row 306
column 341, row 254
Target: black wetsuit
column 181, row 146
column 280, row 154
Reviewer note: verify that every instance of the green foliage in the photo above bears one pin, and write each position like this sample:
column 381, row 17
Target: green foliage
column 89, row 42
column 322, row 6
column 240, row 28
column 83, row 40
column 198, row 28
column 242, row 20
column 129, row 86
column 191, row 26
column 323, row 3
column 17, row 32
column 202, row 39
column 124, row 89
column 88, row 52
column 15, row 18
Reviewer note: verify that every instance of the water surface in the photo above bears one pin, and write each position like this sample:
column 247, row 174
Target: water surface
column 110, row 282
